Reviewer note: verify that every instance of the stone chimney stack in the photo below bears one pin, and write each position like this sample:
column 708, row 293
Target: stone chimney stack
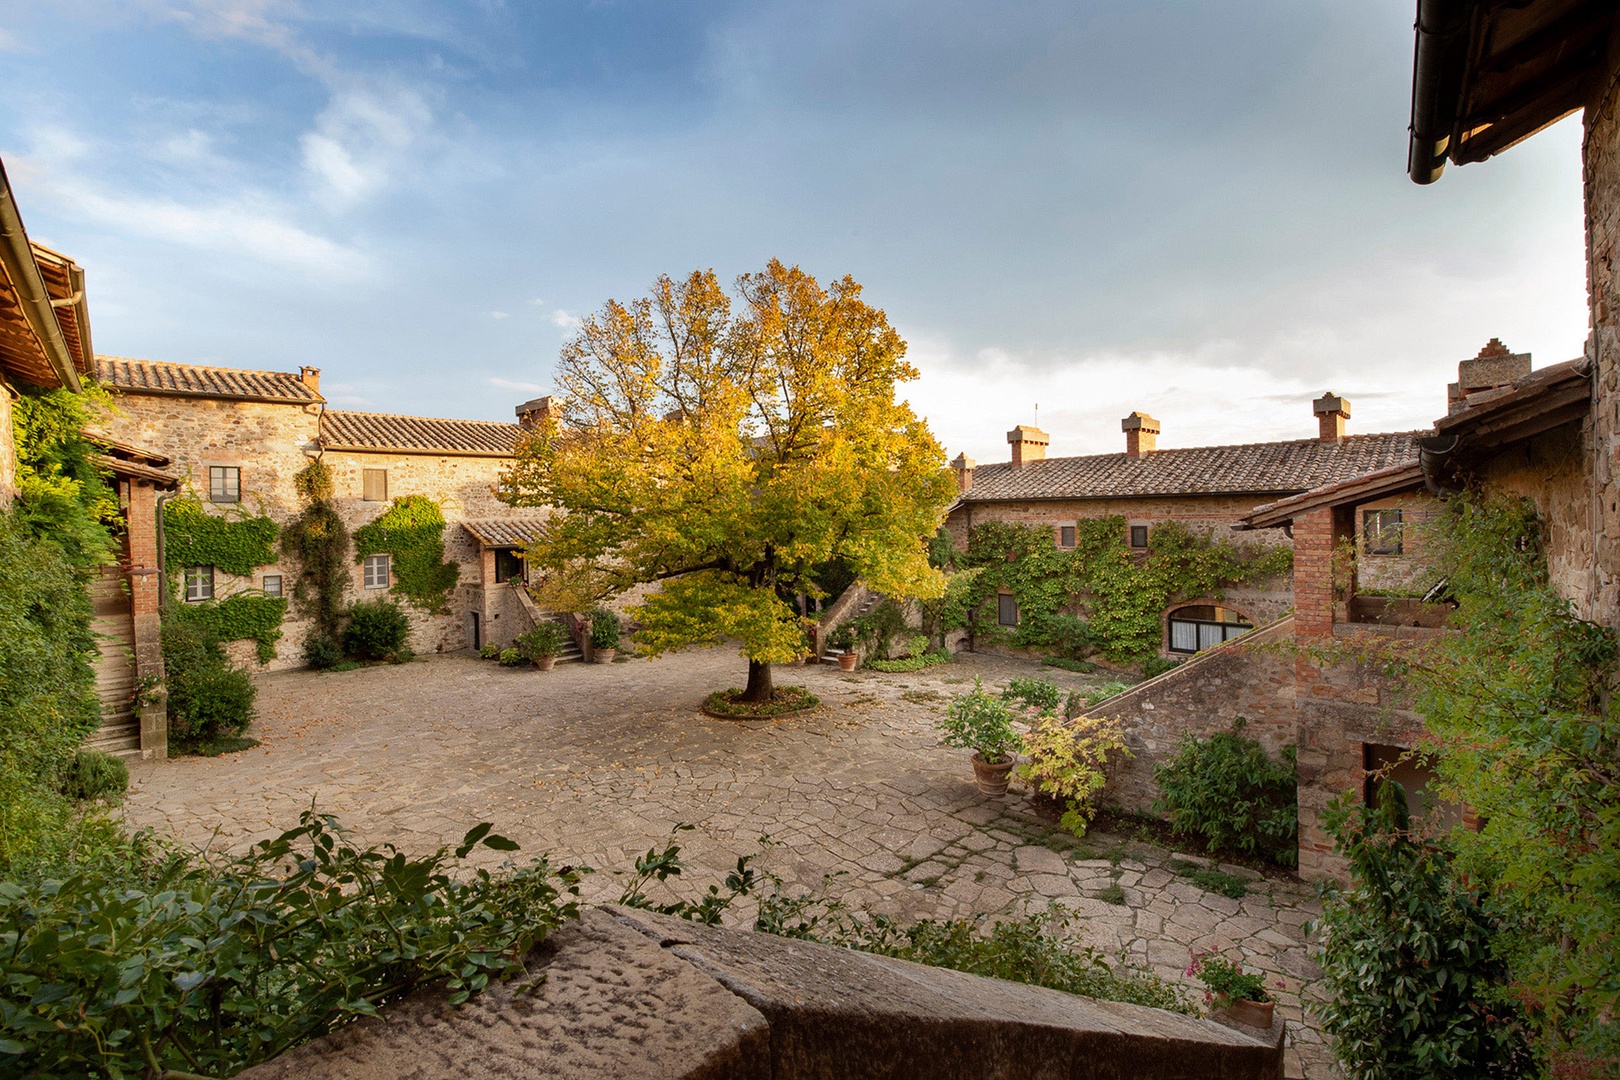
column 1496, row 366
column 1028, row 444
column 1141, row 434
column 963, row 468
column 531, row 414
column 1331, row 413
column 310, row 377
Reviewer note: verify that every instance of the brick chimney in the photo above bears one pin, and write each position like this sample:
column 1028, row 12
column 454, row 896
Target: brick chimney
column 1331, row 413
column 1028, row 444
column 310, row 377
column 531, row 414
column 1496, row 366
column 963, row 468
column 1141, row 434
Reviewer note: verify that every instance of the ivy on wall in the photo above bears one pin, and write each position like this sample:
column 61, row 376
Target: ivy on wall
column 411, row 530
column 237, row 544
column 1123, row 594
column 319, row 543
column 243, row 617
column 63, row 493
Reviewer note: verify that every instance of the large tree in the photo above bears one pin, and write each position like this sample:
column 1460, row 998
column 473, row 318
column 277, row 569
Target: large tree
column 725, row 447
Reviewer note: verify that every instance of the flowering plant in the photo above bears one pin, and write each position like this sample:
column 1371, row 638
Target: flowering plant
column 1224, row 979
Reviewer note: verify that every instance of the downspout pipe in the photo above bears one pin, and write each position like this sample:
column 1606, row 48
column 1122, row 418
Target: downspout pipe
column 1442, row 32
column 1434, row 451
column 17, row 257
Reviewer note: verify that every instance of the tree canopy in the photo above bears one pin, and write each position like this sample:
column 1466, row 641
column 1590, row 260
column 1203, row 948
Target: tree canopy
column 726, row 445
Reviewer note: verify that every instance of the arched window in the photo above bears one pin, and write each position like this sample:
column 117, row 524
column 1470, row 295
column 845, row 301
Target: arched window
column 1203, row 626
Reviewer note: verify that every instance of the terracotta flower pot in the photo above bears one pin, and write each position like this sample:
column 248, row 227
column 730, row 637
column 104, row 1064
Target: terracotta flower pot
column 545, row 663
column 992, row 779
column 847, row 661
column 603, row 656
column 1253, row 1013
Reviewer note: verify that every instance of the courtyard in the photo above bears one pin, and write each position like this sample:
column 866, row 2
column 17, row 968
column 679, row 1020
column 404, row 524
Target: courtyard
column 594, row 765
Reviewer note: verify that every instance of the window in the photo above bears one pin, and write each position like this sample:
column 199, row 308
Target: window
column 272, row 584
column 508, row 564
column 1381, row 531
column 1006, row 610
column 224, row 484
column 1202, row 626
column 376, row 572
column 199, row 584
column 374, row 485
column 1066, row 536
column 1139, row 536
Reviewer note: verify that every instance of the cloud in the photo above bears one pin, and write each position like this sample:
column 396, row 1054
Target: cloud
column 9, row 42
column 562, row 320
column 359, row 140
column 498, row 315
column 509, row 384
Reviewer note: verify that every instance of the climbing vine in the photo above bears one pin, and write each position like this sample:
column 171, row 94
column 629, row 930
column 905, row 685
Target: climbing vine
column 236, row 543
column 1123, row 595
column 242, row 617
column 318, row 542
column 411, row 530
column 62, row 490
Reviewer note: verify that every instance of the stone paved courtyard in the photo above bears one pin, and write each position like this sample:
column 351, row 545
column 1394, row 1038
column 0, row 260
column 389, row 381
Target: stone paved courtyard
column 595, row 764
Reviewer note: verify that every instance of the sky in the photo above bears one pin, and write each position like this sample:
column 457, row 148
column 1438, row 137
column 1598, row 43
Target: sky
column 1070, row 209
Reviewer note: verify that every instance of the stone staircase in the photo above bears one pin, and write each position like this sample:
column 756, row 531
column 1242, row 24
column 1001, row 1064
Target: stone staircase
column 113, row 622
column 871, row 600
column 570, row 650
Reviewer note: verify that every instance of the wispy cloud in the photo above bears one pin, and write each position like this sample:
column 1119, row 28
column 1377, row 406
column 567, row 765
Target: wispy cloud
column 498, row 314
column 509, row 384
column 359, row 140
column 563, row 320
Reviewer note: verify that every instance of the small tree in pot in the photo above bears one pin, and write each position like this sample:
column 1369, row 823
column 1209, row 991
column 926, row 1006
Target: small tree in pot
column 605, row 633
column 542, row 644
column 843, row 639
column 983, row 723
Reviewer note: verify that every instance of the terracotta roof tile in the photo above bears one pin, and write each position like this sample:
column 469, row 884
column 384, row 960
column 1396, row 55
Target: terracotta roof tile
column 344, row 430
column 193, row 380
column 1253, row 468
column 506, row 532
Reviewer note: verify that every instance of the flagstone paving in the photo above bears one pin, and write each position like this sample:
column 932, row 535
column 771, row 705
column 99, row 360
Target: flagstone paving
column 596, row 764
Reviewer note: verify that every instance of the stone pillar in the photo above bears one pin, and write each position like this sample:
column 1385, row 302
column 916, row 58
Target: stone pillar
column 1601, row 167
column 1313, row 574
column 146, row 602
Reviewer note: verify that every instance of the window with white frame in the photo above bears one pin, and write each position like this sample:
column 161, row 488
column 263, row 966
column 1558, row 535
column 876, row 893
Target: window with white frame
column 1204, row 626
column 224, row 484
column 376, row 572
column 199, row 584
column 272, row 584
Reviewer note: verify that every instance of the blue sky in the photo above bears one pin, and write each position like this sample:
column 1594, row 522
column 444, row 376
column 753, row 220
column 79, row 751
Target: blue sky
column 1194, row 209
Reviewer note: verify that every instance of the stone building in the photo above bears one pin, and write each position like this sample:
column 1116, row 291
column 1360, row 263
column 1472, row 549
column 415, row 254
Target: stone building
column 1207, row 489
column 236, row 439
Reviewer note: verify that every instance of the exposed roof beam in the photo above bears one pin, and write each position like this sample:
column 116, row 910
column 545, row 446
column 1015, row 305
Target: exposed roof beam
column 17, row 256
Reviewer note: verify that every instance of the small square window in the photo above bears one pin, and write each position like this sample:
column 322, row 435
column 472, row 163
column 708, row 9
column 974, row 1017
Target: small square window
column 1382, row 530
column 224, row 484
column 1066, row 536
column 374, row 485
column 376, row 572
column 272, row 584
column 199, row 584
column 1006, row 610
column 1139, row 536
column 508, row 565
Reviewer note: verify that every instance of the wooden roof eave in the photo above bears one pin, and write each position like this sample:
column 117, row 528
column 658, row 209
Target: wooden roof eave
column 33, row 297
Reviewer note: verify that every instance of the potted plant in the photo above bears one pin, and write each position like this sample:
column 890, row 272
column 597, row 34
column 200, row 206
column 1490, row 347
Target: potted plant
column 983, row 723
column 542, row 644
column 1228, row 989
column 605, row 631
column 843, row 640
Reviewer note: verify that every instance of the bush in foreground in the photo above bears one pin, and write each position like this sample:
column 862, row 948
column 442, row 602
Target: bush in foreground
column 209, row 700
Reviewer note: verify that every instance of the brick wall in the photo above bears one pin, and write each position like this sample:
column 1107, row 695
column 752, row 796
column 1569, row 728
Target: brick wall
column 1601, row 157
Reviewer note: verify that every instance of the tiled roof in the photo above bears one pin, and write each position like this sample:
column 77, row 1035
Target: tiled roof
column 1253, row 468
column 193, row 380
column 344, row 430
column 1375, row 485
column 506, row 532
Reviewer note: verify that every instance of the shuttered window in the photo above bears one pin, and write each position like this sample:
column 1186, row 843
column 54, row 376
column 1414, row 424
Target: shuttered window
column 374, row 484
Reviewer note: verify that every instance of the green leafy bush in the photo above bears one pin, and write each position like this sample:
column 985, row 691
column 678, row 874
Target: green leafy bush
column 1081, row 666
column 1039, row 694
column 605, row 628
column 377, row 629
column 1154, row 666
column 876, row 630
column 95, row 774
column 512, row 657
column 208, row 698
column 982, row 723
column 1414, row 989
column 489, row 650
column 911, row 663
column 1225, row 790
column 1068, row 634
column 411, row 531
column 209, row 969
column 1067, row 762
column 63, row 494
column 545, row 639
column 321, row 652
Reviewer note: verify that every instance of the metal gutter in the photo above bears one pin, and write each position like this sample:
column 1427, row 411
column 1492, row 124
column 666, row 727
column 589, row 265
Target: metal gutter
column 17, row 257
column 1442, row 31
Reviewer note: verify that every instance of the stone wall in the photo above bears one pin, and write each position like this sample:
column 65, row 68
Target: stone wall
column 1406, row 572
column 1601, row 162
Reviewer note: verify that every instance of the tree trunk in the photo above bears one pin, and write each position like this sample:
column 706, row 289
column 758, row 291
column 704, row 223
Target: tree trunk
column 759, row 682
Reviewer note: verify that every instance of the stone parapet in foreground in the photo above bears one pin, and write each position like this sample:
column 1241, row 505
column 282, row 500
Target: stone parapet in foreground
column 627, row 993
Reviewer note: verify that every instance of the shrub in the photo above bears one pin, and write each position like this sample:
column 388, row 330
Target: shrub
column 209, row 969
column 784, row 699
column 1082, row 666
column 321, row 652
column 1212, row 880
column 1067, row 761
column 877, row 629
column 1038, row 694
column 208, row 698
column 605, row 628
column 489, row 650
column 377, row 629
column 915, row 662
column 545, row 639
column 1154, row 666
column 979, row 722
column 1069, row 635
column 1227, row 791
column 512, row 657
column 95, row 774
column 1413, row 987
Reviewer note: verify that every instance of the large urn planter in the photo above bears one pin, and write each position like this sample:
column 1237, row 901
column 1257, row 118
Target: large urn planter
column 603, row 656
column 1253, row 1013
column 992, row 777
column 847, row 661
column 545, row 663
